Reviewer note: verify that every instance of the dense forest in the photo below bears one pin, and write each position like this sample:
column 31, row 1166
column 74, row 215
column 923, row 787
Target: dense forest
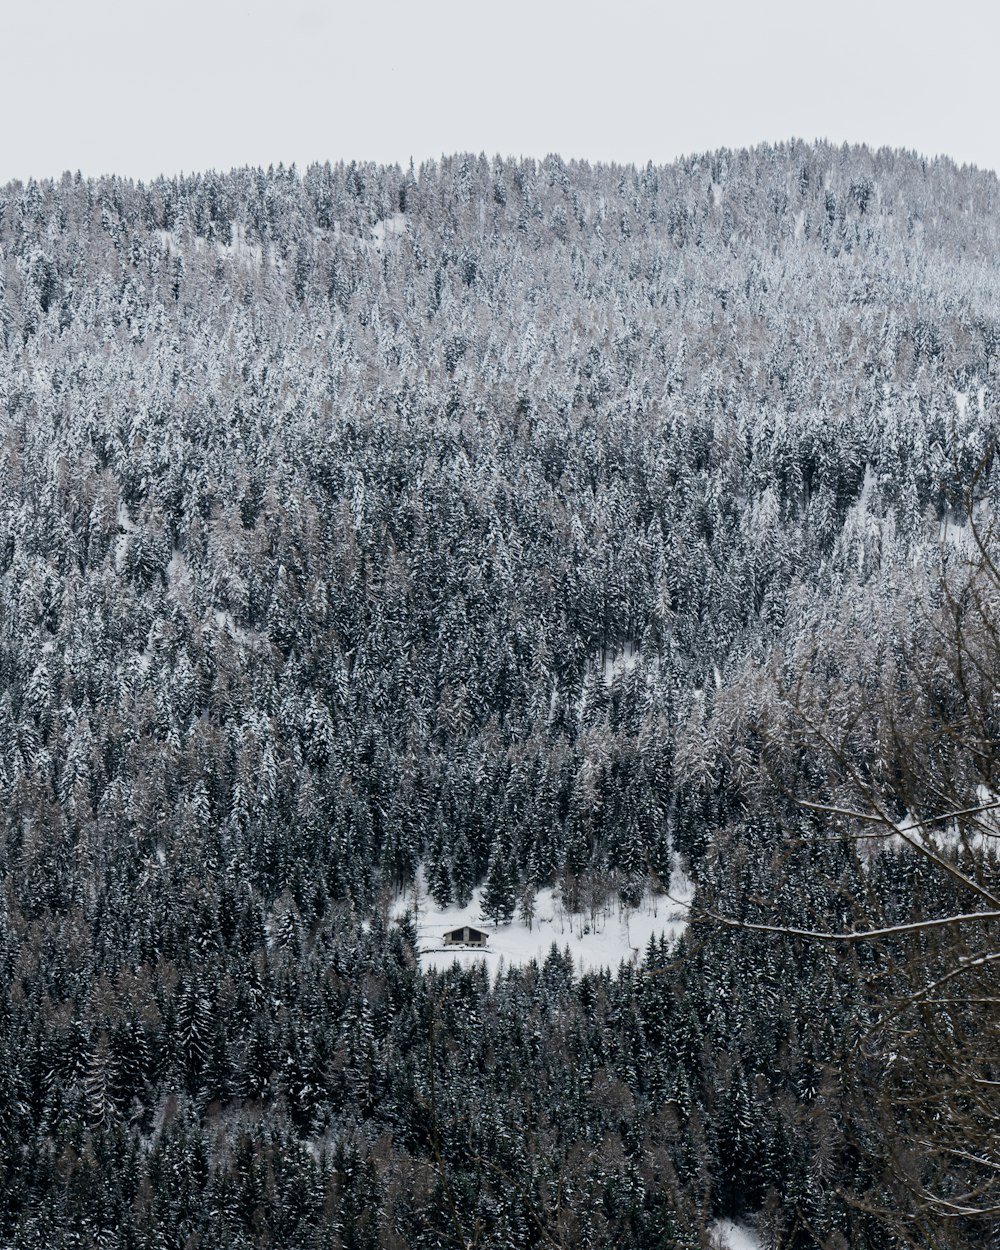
column 327, row 501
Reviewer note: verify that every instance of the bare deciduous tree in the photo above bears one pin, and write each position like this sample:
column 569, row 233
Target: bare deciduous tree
column 884, row 729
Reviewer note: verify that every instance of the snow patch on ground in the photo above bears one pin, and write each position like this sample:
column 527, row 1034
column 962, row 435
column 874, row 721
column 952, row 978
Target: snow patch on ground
column 601, row 940
column 388, row 227
column 240, row 248
column 617, row 663
column 227, row 623
column 870, row 482
column 126, row 527
column 726, row 1235
column 957, row 534
column 179, row 579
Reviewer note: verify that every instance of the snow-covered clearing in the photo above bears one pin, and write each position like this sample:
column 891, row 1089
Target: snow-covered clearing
column 126, row 526
column 240, row 248
column 602, row 940
column 617, row 663
column 226, row 622
column 389, row 227
column 729, row 1236
column 613, row 664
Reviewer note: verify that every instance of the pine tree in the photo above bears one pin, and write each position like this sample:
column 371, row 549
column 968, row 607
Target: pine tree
column 528, row 891
column 439, row 883
column 500, row 890
column 462, row 872
column 98, row 1081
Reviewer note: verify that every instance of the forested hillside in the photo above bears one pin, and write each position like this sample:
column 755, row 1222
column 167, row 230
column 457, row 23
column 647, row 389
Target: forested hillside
column 330, row 504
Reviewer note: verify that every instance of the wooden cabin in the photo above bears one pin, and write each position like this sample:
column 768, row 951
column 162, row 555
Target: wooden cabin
column 466, row 936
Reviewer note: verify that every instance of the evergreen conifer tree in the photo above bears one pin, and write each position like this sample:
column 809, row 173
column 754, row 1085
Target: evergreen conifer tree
column 462, row 872
column 500, row 890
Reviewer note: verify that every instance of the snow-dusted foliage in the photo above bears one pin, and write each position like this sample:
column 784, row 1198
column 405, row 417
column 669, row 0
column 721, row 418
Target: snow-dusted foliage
column 364, row 527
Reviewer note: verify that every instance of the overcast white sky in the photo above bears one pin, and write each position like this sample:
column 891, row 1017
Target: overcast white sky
column 138, row 88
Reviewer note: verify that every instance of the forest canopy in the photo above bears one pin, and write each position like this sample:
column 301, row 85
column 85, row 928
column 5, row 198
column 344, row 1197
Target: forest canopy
column 330, row 502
